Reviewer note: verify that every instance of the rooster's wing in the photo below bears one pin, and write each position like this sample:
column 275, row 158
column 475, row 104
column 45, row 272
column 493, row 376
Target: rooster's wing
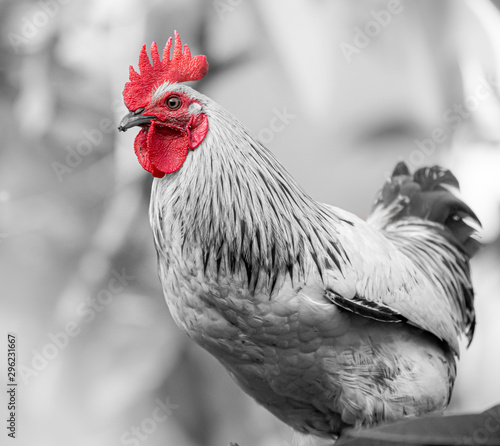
column 410, row 262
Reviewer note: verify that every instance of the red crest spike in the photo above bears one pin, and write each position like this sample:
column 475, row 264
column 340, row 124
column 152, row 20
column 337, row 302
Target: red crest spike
column 182, row 67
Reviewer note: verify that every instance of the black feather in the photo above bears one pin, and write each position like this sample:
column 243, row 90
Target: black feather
column 365, row 308
column 426, row 195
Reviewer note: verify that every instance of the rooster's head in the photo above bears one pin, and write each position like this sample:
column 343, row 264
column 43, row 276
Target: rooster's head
column 171, row 118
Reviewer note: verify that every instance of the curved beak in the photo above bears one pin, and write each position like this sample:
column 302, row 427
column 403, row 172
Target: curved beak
column 134, row 118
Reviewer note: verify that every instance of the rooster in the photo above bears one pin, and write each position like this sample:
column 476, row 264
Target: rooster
column 328, row 321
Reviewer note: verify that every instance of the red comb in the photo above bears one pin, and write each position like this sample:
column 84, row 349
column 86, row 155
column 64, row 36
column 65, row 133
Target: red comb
column 181, row 68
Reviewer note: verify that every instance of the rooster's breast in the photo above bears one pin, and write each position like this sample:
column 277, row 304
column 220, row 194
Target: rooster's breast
column 315, row 366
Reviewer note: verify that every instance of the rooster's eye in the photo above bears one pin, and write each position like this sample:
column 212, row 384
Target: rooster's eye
column 173, row 102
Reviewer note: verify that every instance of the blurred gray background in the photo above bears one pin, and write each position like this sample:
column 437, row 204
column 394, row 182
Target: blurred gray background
column 339, row 90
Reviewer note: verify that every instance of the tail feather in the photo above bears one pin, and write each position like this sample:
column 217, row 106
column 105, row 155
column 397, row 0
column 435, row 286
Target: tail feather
column 427, row 194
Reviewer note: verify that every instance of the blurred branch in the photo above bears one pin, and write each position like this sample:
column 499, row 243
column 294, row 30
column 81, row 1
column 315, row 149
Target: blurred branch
column 96, row 262
column 453, row 430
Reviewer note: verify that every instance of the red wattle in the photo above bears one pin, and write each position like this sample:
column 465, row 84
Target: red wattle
column 161, row 149
column 142, row 152
column 167, row 148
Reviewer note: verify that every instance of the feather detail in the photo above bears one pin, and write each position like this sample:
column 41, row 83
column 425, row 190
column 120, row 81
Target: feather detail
column 373, row 310
column 428, row 195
